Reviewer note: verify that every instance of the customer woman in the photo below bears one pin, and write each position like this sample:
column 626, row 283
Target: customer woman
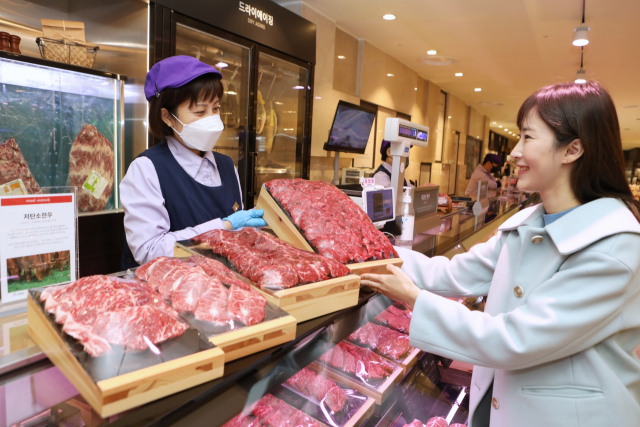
column 555, row 344
column 180, row 188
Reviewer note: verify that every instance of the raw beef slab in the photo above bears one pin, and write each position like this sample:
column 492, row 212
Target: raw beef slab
column 100, row 311
column 321, row 388
column 388, row 342
column 273, row 412
column 268, row 261
column 437, row 422
column 91, row 151
column 357, row 361
column 197, row 287
column 395, row 318
column 13, row 166
column 334, row 225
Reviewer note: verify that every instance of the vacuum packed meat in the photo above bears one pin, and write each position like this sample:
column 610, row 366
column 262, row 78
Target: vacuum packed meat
column 198, row 287
column 358, row 361
column 91, row 169
column 100, row 311
column 395, row 318
column 270, row 411
column 320, row 387
column 14, row 167
column 268, row 261
column 332, row 223
column 386, row 341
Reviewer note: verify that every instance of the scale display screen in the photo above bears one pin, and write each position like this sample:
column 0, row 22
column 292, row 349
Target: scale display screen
column 379, row 204
column 422, row 136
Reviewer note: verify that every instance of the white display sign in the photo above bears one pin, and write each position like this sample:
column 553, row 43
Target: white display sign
column 37, row 242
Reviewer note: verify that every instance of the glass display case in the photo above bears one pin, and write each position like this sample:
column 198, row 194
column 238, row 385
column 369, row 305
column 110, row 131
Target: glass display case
column 61, row 125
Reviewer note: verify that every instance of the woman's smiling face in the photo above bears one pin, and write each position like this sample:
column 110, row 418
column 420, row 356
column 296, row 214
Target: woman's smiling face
column 538, row 160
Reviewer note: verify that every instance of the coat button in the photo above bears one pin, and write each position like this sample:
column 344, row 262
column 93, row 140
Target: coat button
column 537, row 239
column 495, row 403
column 518, row 291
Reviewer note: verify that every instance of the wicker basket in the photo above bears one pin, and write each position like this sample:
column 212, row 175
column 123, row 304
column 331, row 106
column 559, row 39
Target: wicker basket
column 67, row 52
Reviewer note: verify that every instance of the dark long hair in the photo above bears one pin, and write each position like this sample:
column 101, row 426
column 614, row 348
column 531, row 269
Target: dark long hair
column 586, row 112
column 204, row 88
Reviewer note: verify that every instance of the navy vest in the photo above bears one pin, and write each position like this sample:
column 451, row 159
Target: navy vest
column 381, row 168
column 188, row 202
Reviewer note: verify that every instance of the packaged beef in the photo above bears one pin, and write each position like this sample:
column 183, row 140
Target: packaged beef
column 272, row 412
column 91, row 169
column 330, row 221
column 268, row 261
column 386, row 341
column 359, row 362
column 320, row 387
column 14, row 168
column 433, row 422
column 102, row 311
column 396, row 318
column 207, row 290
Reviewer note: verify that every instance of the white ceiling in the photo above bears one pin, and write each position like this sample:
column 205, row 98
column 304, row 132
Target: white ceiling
column 509, row 48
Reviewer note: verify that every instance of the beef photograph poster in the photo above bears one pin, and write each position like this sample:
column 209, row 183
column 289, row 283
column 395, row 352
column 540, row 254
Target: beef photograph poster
column 37, row 242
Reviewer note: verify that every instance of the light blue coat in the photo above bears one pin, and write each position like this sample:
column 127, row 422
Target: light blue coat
column 555, row 344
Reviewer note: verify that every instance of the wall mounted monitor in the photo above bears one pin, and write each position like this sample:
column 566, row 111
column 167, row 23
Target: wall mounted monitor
column 351, row 128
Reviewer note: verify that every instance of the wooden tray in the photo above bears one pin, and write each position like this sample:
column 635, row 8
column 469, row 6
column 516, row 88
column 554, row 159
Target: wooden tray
column 115, row 395
column 286, row 230
column 379, row 395
column 306, row 302
column 363, row 414
column 409, row 361
column 252, row 339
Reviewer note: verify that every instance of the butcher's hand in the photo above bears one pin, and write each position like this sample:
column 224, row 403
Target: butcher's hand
column 252, row 218
column 397, row 285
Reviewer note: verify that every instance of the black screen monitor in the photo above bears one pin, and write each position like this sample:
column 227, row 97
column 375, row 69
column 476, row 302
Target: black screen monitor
column 351, row 128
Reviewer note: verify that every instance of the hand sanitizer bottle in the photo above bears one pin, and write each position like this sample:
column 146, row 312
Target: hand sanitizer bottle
column 408, row 220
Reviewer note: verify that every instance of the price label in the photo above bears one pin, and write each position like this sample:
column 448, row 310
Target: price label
column 367, row 182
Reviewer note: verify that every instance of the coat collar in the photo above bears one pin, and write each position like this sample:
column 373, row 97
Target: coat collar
column 582, row 226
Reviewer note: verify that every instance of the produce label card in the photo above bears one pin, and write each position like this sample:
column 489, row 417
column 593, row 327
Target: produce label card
column 37, row 242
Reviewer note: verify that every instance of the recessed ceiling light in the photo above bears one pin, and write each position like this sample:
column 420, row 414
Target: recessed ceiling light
column 389, row 75
column 478, row 89
column 506, row 130
column 459, row 74
column 278, row 103
column 389, row 17
column 431, row 52
column 318, row 97
column 298, row 87
column 449, row 117
column 415, row 88
column 222, row 65
column 493, row 123
column 340, row 56
column 509, row 133
column 500, row 126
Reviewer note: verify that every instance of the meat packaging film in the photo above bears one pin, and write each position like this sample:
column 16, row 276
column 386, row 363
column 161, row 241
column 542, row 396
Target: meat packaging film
column 332, row 224
column 207, row 294
column 384, row 341
column 106, row 331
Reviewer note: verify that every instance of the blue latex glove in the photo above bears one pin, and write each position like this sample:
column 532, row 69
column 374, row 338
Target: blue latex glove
column 251, row 218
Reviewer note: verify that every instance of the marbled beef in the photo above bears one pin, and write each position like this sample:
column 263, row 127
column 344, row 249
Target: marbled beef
column 91, row 152
column 13, row 166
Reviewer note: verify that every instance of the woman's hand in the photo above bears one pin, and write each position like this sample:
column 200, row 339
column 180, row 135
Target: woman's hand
column 397, row 285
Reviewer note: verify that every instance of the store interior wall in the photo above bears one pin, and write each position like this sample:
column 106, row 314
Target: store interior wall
column 362, row 76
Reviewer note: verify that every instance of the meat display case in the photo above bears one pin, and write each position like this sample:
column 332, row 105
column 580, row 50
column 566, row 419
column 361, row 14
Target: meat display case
column 429, row 385
column 67, row 125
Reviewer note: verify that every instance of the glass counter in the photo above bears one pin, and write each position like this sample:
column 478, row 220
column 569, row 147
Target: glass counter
column 61, row 125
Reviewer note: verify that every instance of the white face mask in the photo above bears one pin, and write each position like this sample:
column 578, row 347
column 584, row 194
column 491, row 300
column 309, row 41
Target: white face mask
column 202, row 134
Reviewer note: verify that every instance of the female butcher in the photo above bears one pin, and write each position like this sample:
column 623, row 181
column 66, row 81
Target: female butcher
column 555, row 344
column 180, row 188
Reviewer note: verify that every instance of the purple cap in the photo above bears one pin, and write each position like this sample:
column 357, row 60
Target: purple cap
column 385, row 144
column 173, row 72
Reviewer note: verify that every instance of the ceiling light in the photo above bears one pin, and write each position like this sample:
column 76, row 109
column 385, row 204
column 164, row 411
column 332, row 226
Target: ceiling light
column 298, row 87
column 278, row 103
column 449, row 117
column 231, row 93
column 438, row 60
column 318, row 97
column 506, row 130
column 459, row 74
column 581, row 76
column 415, row 88
column 389, row 17
column 500, row 126
column 340, row 56
column 389, row 75
column 431, row 52
column 222, row 65
column 493, row 123
column 581, row 36
column 478, row 89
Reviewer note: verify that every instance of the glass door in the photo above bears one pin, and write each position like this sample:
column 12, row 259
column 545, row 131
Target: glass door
column 281, row 104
